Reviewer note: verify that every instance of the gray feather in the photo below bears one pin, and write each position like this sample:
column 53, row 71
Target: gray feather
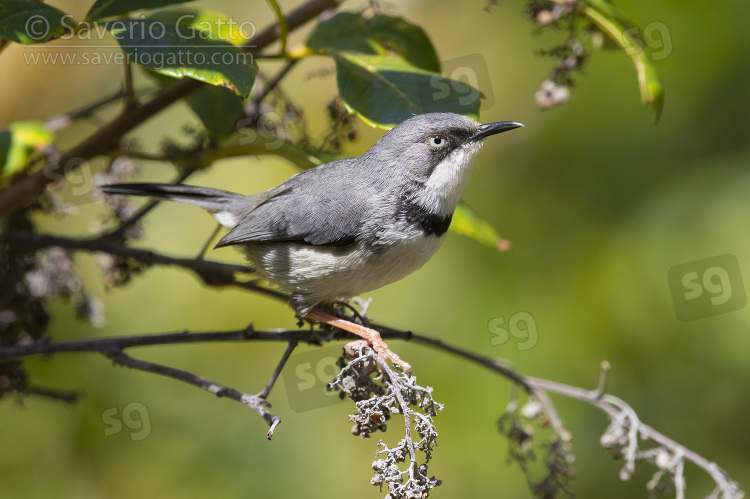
column 330, row 211
column 205, row 197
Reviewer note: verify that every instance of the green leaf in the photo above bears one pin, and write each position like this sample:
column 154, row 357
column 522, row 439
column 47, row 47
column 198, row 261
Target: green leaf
column 468, row 223
column 20, row 142
column 29, row 21
column 385, row 90
column 218, row 109
column 110, row 8
column 378, row 35
column 210, row 25
column 387, row 69
column 616, row 26
column 185, row 51
column 405, row 39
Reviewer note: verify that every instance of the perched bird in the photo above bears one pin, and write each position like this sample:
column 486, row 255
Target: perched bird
column 353, row 225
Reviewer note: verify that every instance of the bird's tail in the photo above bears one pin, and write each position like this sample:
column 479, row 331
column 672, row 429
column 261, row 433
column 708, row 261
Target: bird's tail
column 217, row 202
column 205, row 197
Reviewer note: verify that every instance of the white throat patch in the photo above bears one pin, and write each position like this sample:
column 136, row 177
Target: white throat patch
column 444, row 187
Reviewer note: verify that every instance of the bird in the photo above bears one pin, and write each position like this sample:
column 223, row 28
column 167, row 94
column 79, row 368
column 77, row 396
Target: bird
column 353, row 225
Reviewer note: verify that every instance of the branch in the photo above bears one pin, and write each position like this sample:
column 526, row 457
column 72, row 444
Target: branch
column 613, row 406
column 215, row 273
column 266, row 391
column 211, row 273
column 66, row 396
column 253, row 401
column 25, row 191
column 106, row 138
column 222, row 274
column 62, row 121
column 112, row 347
column 107, row 345
column 616, row 407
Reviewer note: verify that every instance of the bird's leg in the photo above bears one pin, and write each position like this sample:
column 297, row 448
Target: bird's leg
column 370, row 335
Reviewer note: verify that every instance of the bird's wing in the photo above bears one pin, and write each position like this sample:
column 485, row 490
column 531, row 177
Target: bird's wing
column 329, row 212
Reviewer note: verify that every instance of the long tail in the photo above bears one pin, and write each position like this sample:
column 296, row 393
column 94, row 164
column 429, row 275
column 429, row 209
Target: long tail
column 219, row 203
column 205, row 197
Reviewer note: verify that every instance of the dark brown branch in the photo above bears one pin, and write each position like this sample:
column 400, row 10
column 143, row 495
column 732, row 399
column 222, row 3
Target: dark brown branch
column 492, row 364
column 66, row 396
column 210, row 272
column 206, row 269
column 117, row 343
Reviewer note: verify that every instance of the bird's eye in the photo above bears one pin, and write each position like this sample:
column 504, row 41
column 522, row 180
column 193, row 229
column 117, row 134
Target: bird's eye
column 438, row 142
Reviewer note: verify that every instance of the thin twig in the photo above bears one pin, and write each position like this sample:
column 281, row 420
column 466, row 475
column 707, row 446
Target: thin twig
column 271, row 85
column 67, row 396
column 266, row 391
column 254, row 402
column 495, row 365
column 129, row 90
column 603, row 376
column 204, row 268
column 64, row 120
column 405, row 410
column 492, row 364
column 202, row 253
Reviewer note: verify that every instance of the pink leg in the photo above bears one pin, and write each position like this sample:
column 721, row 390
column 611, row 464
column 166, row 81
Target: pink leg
column 370, row 335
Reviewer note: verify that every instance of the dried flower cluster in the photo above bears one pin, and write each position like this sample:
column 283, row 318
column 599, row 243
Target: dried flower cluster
column 521, row 428
column 378, row 395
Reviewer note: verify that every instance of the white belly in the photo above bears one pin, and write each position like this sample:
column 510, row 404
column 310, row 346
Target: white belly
column 319, row 274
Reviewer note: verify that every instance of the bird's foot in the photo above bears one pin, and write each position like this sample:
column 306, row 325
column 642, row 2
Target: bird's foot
column 370, row 335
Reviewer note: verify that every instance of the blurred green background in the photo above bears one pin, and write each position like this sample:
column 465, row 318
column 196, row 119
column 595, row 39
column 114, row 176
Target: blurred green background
column 598, row 202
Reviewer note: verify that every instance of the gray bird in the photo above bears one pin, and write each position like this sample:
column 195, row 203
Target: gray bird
column 353, row 225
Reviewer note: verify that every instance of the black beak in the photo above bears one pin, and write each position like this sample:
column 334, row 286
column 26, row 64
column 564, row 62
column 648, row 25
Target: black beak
column 493, row 128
